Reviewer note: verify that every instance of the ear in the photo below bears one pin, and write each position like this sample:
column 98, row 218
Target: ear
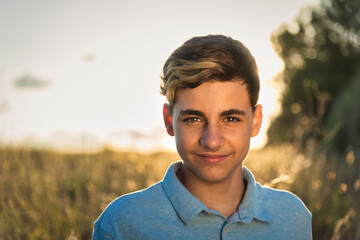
column 257, row 120
column 168, row 119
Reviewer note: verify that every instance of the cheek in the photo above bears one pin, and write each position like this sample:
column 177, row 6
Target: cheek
column 239, row 129
column 239, row 137
column 186, row 139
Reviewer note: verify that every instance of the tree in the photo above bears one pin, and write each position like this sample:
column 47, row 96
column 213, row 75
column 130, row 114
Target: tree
column 321, row 57
column 321, row 111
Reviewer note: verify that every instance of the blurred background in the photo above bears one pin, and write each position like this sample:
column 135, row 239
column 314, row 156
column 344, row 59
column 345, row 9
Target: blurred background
column 81, row 113
column 78, row 75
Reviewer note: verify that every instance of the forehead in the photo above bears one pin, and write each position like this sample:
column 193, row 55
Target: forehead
column 214, row 96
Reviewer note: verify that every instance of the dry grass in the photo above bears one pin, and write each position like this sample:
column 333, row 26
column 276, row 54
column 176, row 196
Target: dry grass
column 276, row 166
column 50, row 195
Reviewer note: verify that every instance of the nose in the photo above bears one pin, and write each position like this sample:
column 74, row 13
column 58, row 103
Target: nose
column 212, row 137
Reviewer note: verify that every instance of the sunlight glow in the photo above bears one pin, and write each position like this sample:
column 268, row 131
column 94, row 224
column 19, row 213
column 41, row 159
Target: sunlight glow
column 101, row 64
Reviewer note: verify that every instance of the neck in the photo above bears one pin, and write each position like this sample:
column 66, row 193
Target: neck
column 223, row 196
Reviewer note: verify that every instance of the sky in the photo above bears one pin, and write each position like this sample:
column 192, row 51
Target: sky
column 78, row 75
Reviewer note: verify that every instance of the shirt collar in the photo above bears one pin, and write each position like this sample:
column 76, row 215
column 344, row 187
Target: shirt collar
column 188, row 206
column 252, row 205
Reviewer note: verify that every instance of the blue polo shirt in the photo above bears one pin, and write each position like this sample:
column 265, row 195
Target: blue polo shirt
column 167, row 210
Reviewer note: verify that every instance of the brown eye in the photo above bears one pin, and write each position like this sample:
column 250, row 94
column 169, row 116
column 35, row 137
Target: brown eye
column 192, row 119
column 231, row 119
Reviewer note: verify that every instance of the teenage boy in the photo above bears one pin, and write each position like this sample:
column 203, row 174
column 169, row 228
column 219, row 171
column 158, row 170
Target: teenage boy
column 211, row 84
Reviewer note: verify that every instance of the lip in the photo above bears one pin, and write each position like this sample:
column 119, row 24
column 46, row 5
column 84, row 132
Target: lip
column 212, row 158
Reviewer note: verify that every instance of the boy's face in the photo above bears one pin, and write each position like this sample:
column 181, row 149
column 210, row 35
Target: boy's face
column 212, row 125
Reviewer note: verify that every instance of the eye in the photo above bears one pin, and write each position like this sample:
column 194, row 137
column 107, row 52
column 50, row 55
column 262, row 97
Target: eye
column 231, row 119
column 192, row 119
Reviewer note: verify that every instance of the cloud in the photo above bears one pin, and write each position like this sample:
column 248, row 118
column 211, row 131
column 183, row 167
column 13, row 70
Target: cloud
column 89, row 57
column 4, row 105
column 30, row 82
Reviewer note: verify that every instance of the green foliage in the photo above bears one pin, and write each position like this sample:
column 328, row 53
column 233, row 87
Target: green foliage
column 321, row 58
column 321, row 114
column 344, row 13
column 343, row 122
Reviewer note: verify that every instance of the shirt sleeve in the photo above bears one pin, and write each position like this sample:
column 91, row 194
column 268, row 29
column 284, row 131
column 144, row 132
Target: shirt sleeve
column 309, row 228
column 100, row 234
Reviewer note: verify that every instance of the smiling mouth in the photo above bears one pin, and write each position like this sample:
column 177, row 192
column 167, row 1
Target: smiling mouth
column 212, row 158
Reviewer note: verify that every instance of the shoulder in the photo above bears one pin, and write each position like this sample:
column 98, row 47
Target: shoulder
column 129, row 209
column 124, row 215
column 279, row 196
column 288, row 215
column 134, row 203
column 282, row 204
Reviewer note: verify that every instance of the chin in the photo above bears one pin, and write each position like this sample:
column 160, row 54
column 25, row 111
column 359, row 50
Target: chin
column 214, row 176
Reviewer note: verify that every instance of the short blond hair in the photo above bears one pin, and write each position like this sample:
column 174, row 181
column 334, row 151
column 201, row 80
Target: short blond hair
column 212, row 57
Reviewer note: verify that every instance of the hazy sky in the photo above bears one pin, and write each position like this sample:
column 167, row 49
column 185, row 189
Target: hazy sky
column 81, row 73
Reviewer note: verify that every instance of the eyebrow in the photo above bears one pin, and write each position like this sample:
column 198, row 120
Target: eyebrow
column 233, row 112
column 223, row 114
column 192, row 112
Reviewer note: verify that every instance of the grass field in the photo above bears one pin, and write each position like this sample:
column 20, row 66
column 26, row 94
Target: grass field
column 52, row 195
